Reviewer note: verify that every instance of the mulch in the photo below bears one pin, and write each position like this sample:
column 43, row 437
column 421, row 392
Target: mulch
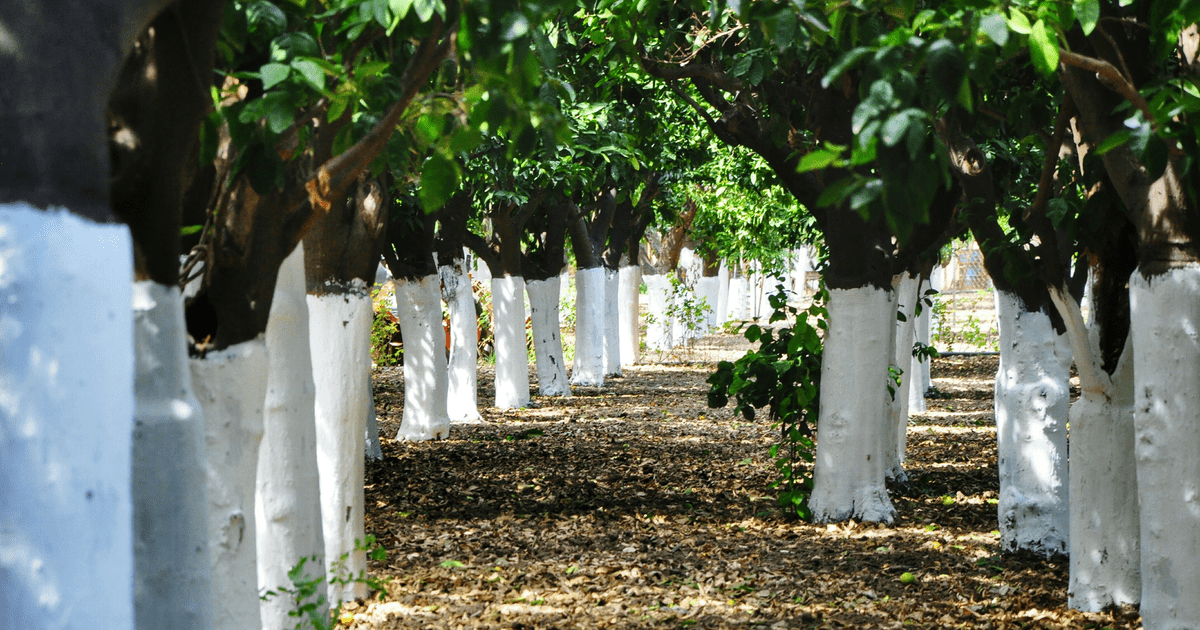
column 636, row 506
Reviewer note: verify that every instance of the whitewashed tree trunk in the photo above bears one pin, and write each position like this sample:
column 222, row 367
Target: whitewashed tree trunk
column 512, row 356
column 66, row 410
column 287, row 509
column 589, row 328
column 919, row 381
column 547, row 339
column 419, row 310
column 738, row 298
column 658, row 325
column 905, row 296
column 462, row 371
column 1165, row 315
column 172, row 574
column 722, row 305
column 708, row 288
column 612, row 322
column 372, row 448
column 854, row 432
column 231, row 386
column 629, row 307
column 339, row 336
column 1032, row 394
column 1104, row 549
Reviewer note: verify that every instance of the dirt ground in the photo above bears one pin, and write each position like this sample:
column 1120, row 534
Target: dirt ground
column 636, row 506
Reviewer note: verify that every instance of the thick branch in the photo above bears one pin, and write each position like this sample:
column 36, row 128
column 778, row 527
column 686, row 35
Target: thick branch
column 335, row 176
column 1116, row 80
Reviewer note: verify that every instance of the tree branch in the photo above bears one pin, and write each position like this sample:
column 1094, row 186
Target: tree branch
column 1115, row 79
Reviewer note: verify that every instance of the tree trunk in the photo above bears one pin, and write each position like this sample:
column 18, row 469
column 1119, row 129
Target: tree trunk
column 508, row 327
column 287, row 509
column 339, row 330
column 1104, row 550
column 462, row 371
column 905, row 294
column 231, row 385
column 612, row 322
column 658, row 324
column 723, row 293
column 172, row 572
column 1165, row 316
column 419, row 310
column 67, row 379
column 629, row 324
column 547, row 342
column 1032, row 396
column 853, row 434
column 589, row 327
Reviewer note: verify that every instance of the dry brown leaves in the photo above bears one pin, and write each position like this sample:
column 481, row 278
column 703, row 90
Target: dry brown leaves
column 636, row 506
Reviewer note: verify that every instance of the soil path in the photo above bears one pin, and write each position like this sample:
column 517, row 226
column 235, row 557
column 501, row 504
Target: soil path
column 636, row 506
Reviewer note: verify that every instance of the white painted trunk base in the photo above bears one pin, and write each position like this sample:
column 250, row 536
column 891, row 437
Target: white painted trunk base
column 854, row 431
column 612, row 322
column 287, row 508
column 462, row 371
column 658, row 325
column 339, row 333
column 708, row 288
column 418, row 307
column 66, row 409
column 231, row 386
column 905, row 296
column 547, row 338
column 918, row 369
column 589, row 328
column 1032, row 394
column 373, row 449
column 172, row 574
column 1165, row 319
column 738, row 299
column 1104, row 549
column 722, row 305
column 629, row 310
column 512, row 355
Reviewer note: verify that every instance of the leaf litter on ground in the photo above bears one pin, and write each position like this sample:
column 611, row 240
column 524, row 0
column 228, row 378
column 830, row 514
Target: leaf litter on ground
column 636, row 506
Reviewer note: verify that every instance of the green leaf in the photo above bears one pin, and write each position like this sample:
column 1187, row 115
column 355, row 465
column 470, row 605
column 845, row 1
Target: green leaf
column 371, row 69
column 381, row 14
column 439, row 180
column 1117, row 139
column 400, row 8
column 425, row 9
column 818, row 159
column 273, row 74
column 1088, row 14
column 338, row 103
column 896, row 127
column 946, row 68
column 845, row 63
column 741, row 66
column 266, row 18
column 188, row 230
column 1043, row 48
column 996, row 28
column 835, row 193
column 1154, row 157
column 1017, row 22
column 312, row 73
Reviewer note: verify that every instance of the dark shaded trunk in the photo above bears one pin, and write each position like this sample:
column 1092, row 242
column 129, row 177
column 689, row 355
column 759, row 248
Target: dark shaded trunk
column 408, row 252
column 61, row 69
column 345, row 243
column 154, row 117
column 629, row 223
column 545, row 258
column 589, row 231
column 501, row 251
column 452, row 232
column 1012, row 270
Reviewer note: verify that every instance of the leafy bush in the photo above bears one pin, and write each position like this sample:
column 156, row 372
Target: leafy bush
column 783, row 375
column 303, row 588
column 384, row 330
